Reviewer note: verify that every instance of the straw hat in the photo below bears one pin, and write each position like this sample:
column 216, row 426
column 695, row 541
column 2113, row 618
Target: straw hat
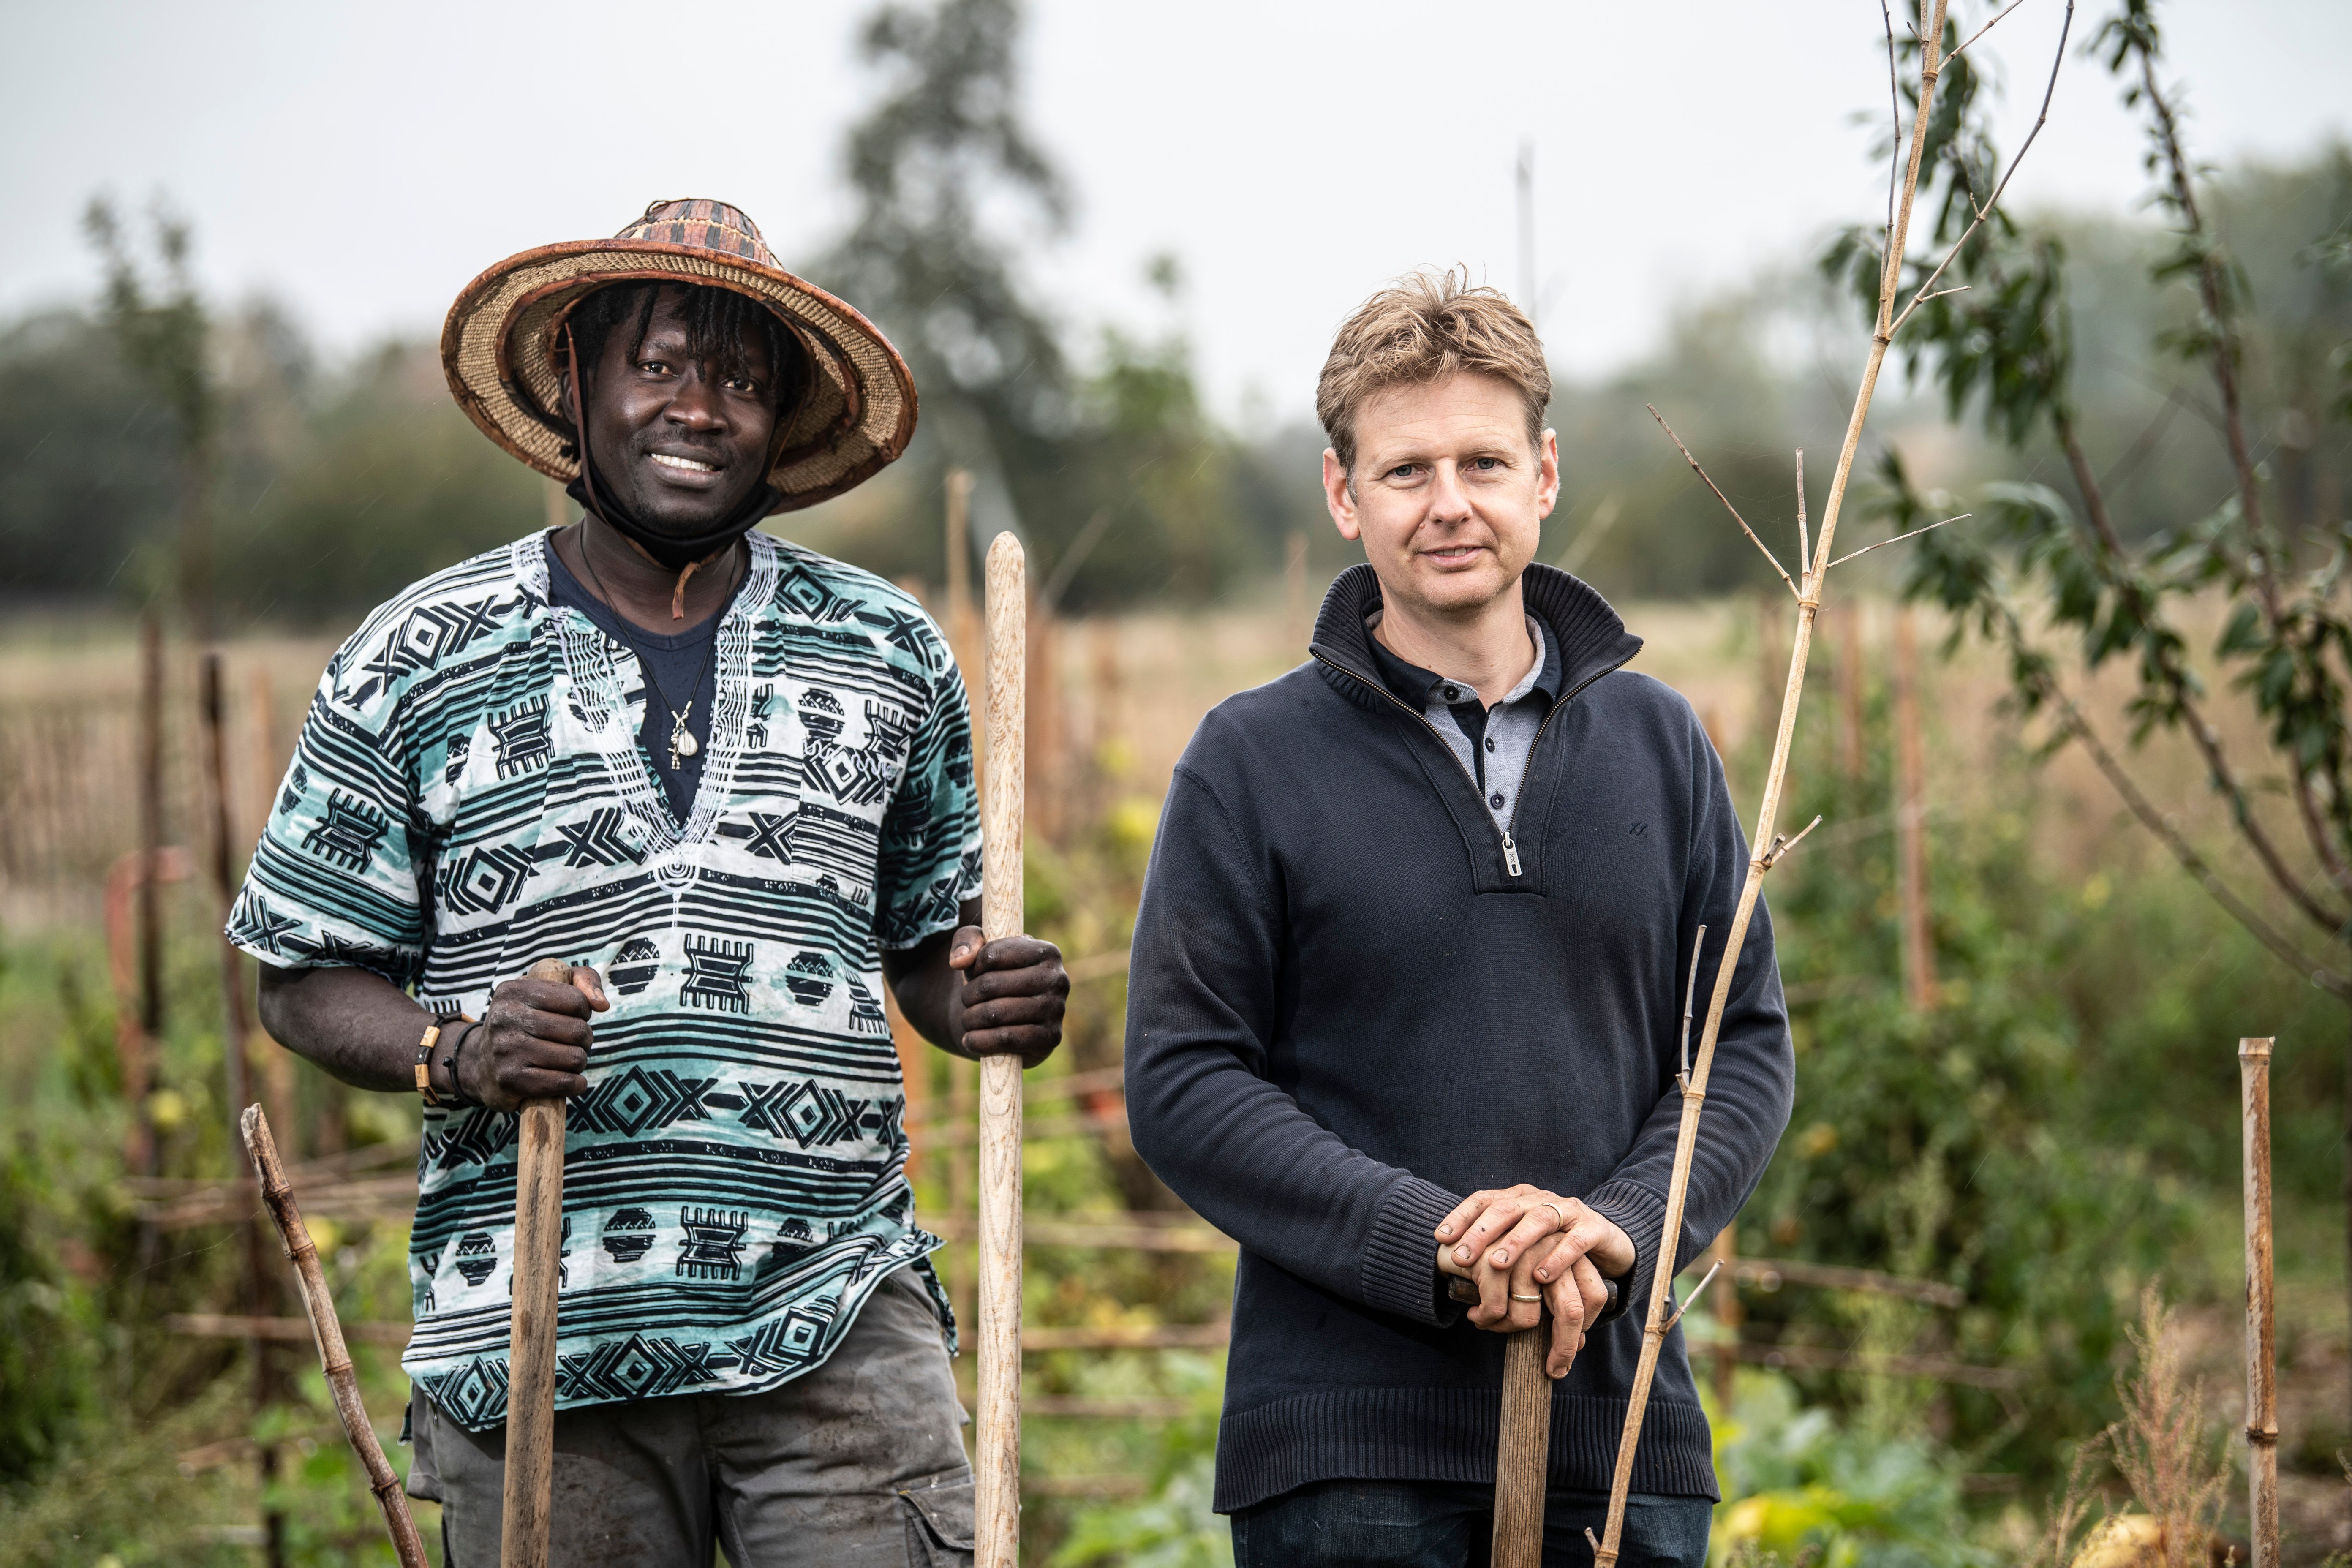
column 498, row 347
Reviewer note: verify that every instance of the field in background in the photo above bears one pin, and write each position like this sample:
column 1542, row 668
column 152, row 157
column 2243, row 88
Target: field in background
column 1126, row 1294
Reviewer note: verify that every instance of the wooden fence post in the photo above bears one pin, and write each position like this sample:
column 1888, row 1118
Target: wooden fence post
column 2261, row 1344
column 150, row 890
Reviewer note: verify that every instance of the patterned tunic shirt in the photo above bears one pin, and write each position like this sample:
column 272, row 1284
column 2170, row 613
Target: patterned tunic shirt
column 469, row 796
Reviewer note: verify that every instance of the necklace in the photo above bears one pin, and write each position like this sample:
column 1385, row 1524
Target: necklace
column 682, row 744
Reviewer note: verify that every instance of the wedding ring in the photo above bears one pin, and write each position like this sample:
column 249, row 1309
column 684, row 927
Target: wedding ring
column 1556, row 1210
column 1516, row 1297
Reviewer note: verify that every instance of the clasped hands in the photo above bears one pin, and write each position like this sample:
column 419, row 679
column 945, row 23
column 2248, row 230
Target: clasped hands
column 1527, row 1249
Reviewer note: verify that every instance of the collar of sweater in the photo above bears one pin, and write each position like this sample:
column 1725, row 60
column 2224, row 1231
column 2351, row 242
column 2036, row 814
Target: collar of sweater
column 1593, row 638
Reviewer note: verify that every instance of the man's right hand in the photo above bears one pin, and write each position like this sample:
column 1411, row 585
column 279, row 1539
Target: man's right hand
column 532, row 1042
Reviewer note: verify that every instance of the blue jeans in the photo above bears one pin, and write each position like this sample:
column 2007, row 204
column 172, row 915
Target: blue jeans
column 1448, row 1524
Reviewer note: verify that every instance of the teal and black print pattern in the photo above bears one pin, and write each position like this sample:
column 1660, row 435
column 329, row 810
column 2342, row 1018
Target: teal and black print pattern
column 469, row 796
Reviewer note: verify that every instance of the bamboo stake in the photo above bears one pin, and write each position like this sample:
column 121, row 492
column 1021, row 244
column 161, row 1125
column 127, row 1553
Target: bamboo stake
column 530, row 1325
column 2261, row 1323
column 1767, row 848
column 342, row 1382
column 998, row 1459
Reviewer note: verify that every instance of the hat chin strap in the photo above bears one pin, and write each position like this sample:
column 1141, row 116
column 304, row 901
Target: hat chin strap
column 671, row 553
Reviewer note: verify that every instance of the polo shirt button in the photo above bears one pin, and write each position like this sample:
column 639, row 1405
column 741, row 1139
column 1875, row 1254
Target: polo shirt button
column 1496, row 800
column 1490, row 744
column 1453, row 693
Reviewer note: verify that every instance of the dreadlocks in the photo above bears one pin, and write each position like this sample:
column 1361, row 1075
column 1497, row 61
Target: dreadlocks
column 718, row 323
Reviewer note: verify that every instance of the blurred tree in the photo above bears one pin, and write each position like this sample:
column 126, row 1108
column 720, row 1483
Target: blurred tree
column 165, row 334
column 84, row 444
column 385, row 481
column 951, row 193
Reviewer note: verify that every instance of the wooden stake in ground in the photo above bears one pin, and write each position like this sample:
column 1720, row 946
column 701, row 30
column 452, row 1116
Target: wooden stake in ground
column 997, row 1467
column 151, row 917
column 341, row 1381
column 237, row 1032
column 530, row 1327
column 1814, row 564
column 2261, row 1325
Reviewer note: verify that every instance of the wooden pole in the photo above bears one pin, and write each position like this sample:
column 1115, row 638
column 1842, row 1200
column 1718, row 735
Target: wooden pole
column 261, row 796
column 2262, row 1325
column 149, row 890
column 236, row 1031
column 1910, row 826
column 342, row 1382
column 1523, row 1448
column 997, row 1467
column 530, row 1327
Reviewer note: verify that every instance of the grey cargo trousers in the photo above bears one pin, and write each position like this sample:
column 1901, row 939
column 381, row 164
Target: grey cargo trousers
column 859, row 1464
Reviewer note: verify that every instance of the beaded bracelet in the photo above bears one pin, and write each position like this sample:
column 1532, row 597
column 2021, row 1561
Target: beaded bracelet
column 425, row 1062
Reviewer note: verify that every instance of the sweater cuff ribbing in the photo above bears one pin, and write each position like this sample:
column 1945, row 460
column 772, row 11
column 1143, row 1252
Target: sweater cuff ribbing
column 1400, row 1272
column 1638, row 1212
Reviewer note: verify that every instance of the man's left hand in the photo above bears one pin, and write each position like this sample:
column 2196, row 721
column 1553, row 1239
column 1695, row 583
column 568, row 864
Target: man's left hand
column 1012, row 998
column 1529, row 1248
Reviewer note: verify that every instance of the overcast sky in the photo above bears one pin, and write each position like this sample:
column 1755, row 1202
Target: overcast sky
column 362, row 164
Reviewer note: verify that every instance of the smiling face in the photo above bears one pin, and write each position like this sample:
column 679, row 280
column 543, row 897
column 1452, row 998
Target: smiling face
column 1448, row 494
column 680, row 439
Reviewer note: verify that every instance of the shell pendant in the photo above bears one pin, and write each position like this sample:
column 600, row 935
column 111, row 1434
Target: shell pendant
column 682, row 742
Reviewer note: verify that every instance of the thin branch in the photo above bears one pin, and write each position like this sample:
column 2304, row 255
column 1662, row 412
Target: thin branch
column 1783, row 844
column 1899, row 538
column 2114, row 562
column 2057, row 59
column 1894, row 150
column 1804, row 545
column 1980, row 32
column 1724, row 498
column 1692, row 1300
column 1957, row 289
column 2192, row 862
column 1690, row 996
column 2071, row 718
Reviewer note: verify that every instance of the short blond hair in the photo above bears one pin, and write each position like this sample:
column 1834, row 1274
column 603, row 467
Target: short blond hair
column 1425, row 327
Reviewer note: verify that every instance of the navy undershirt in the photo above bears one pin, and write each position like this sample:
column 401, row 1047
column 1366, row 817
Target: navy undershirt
column 674, row 663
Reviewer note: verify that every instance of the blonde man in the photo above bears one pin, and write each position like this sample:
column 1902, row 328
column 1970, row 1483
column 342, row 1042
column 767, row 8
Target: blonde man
column 1408, row 981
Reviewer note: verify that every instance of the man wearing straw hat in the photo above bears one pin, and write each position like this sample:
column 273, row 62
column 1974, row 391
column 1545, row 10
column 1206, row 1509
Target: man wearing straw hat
column 731, row 781
column 1408, row 975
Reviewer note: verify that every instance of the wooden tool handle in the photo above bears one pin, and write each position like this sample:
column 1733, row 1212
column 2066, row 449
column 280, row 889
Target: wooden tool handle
column 531, row 1337
column 1523, row 1451
column 997, row 1467
column 328, row 1331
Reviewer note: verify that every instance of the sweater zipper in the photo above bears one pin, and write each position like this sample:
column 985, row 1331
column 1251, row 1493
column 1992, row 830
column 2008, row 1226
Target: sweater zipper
column 1510, row 845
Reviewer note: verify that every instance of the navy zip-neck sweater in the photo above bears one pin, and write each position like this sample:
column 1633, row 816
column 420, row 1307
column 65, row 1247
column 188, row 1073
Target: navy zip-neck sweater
column 1356, row 998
